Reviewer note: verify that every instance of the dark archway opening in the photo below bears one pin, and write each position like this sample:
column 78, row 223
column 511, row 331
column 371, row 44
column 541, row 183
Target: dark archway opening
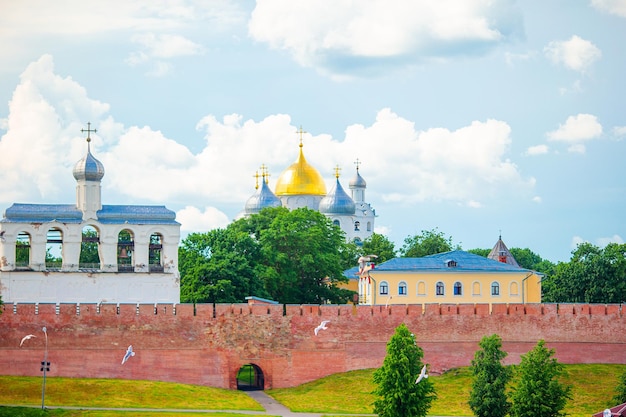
column 250, row 378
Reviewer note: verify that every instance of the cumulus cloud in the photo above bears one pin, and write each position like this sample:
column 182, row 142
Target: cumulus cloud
column 619, row 131
column 163, row 29
column 576, row 53
column 537, row 150
column 617, row 7
column 600, row 241
column 468, row 166
column 380, row 33
column 577, row 129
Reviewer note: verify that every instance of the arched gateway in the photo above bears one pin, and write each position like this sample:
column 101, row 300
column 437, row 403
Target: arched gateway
column 250, row 378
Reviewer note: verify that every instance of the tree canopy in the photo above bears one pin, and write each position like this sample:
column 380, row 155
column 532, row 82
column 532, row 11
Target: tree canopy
column 429, row 242
column 295, row 256
column 398, row 393
column 380, row 246
column 593, row 275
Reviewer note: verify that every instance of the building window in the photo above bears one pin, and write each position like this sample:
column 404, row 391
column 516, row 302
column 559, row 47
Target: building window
column 336, row 222
column 451, row 264
column 440, row 289
column 476, row 288
column 495, row 288
column 357, row 226
column 514, row 288
column 383, row 288
column 369, row 226
column 402, row 288
column 458, row 288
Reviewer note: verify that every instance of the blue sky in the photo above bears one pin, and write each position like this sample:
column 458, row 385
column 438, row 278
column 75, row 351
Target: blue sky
column 474, row 117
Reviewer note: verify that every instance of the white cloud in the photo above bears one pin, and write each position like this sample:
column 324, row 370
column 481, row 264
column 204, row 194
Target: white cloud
column 579, row 128
column 193, row 220
column 468, row 166
column 576, row 54
column 601, row 242
column 619, row 131
column 337, row 36
column 617, row 7
column 537, row 150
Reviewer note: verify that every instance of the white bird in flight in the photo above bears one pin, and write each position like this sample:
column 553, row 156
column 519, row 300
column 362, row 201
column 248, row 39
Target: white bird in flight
column 129, row 353
column 422, row 375
column 322, row 326
column 26, row 338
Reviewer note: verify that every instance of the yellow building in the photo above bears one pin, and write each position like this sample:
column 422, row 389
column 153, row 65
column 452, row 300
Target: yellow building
column 455, row 277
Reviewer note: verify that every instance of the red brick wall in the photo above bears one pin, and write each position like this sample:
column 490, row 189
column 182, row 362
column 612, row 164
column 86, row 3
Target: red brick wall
column 206, row 345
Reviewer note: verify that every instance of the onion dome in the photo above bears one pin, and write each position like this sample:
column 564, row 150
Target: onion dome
column 357, row 181
column 300, row 178
column 88, row 168
column 337, row 201
column 262, row 199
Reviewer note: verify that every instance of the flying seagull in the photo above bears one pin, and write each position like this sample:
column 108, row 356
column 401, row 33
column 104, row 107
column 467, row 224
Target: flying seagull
column 129, row 353
column 422, row 375
column 322, row 326
column 26, row 338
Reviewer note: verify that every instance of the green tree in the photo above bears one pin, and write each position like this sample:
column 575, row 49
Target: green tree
column 219, row 266
column 620, row 396
column 539, row 391
column 593, row 275
column 398, row 395
column 380, row 246
column 429, row 242
column 302, row 258
column 488, row 396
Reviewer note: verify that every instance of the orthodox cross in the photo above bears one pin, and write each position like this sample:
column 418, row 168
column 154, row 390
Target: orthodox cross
column 337, row 170
column 256, row 177
column 264, row 173
column 301, row 132
column 88, row 130
column 357, row 163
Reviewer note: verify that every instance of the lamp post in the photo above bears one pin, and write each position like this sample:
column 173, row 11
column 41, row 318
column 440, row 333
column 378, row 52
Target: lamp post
column 45, row 367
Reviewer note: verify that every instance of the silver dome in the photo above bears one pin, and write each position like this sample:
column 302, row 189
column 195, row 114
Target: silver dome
column 262, row 199
column 337, row 202
column 88, row 168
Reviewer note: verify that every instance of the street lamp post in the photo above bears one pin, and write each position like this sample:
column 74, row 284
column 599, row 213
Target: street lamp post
column 45, row 367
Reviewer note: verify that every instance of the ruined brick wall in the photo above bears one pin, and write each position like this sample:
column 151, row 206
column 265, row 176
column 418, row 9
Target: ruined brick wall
column 206, row 344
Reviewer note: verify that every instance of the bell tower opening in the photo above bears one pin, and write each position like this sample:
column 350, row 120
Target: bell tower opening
column 250, row 378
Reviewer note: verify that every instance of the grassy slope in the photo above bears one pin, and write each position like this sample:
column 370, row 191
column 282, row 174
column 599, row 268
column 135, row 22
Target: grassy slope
column 593, row 388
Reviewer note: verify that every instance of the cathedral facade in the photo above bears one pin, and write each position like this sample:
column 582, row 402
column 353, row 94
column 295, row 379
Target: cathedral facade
column 134, row 249
column 301, row 185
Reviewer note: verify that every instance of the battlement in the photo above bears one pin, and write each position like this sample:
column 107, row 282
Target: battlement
column 204, row 311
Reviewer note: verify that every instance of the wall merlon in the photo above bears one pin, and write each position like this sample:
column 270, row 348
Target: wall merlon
column 432, row 309
column 499, row 309
column 467, row 309
column 415, row 310
column 534, row 309
column 482, row 309
column 449, row 309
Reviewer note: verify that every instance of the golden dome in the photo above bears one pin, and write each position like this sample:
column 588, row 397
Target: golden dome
column 300, row 178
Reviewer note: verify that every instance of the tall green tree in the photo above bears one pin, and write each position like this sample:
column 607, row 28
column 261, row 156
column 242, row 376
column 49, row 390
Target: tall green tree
column 593, row 275
column 89, row 248
column 380, row 246
column 398, row 395
column 302, row 258
column 488, row 397
column 539, row 391
column 219, row 266
column 429, row 242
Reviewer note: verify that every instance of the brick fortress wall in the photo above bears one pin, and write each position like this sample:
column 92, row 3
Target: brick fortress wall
column 206, row 344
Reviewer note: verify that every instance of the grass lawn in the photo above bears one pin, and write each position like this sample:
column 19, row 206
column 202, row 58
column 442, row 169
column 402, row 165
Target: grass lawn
column 593, row 387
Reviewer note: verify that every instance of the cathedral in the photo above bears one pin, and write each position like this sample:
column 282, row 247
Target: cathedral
column 301, row 185
column 134, row 248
